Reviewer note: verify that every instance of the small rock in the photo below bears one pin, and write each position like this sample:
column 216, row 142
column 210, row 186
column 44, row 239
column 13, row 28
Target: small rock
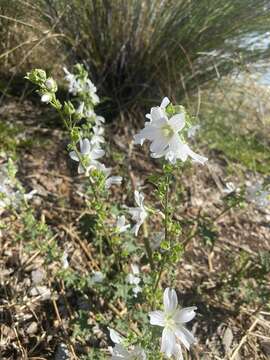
column 37, row 276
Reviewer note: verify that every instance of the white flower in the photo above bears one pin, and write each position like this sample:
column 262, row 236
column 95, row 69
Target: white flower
column 97, row 137
column 120, row 224
column 89, row 154
column 120, row 353
column 172, row 319
column 132, row 279
column 91, row 89
column 163, row 132
column 46, row 98
column 139, row 213
column 74, row 85
column 230, row 187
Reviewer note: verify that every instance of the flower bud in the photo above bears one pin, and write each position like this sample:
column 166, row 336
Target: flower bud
column 69, row 108
column 51, row 85
column 37, row 76
column 46, row 98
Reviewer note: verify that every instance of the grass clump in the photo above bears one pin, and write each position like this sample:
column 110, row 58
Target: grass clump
column 133, row 47
column 235, row 123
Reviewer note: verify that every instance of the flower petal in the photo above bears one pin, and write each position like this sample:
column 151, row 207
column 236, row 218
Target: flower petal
column 185, row 315
column 165, row 102
column 81, row 169
column 73, row 155
column 168, row 342
column 157, row 318
column 156, row 114
column 196, row 157
column 97, row 153
column 170, row 300
column 177, row 122
column 138, row 198
column 185, row 336
column 159, row 144
column 85, row 146
column 177, row 352
column 115, row 336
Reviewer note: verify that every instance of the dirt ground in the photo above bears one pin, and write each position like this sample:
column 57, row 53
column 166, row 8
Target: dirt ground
column 233, row 319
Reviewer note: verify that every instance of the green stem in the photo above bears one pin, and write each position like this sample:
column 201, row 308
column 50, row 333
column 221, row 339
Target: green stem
column 147, row 246
column 166, row 237
column 92, row 188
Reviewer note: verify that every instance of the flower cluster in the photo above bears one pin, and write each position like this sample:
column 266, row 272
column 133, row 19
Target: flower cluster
column 139, row 213
column 81, row 86
column 134, row 279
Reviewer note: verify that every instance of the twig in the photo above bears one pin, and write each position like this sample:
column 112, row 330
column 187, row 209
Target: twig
column 244, row 338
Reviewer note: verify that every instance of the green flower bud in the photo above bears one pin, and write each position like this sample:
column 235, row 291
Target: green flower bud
column 69, row 108
column 37, row 76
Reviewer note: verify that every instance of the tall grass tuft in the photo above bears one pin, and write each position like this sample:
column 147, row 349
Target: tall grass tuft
column 140, row 50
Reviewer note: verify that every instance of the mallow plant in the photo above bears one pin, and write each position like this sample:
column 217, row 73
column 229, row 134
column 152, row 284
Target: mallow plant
column 131, row 265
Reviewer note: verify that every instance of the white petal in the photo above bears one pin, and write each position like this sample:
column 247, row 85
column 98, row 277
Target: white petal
column 196, row 157
column 176, row 146
column 135, row 213
column 81, row 169
column 85, row 146
column 136, row 228
column 177, row 122
column 177, row 352
column 149, row 132
column 138, row 139
column 157, row 318
column 165, row 102
column 168, row 342
column 156, row 114
column 170, row 300
column 185, row 336
column 159, row 144
column 73, row 155
column 185, row 315
column 138, row 198
column 97, row 153
column 115, row 337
